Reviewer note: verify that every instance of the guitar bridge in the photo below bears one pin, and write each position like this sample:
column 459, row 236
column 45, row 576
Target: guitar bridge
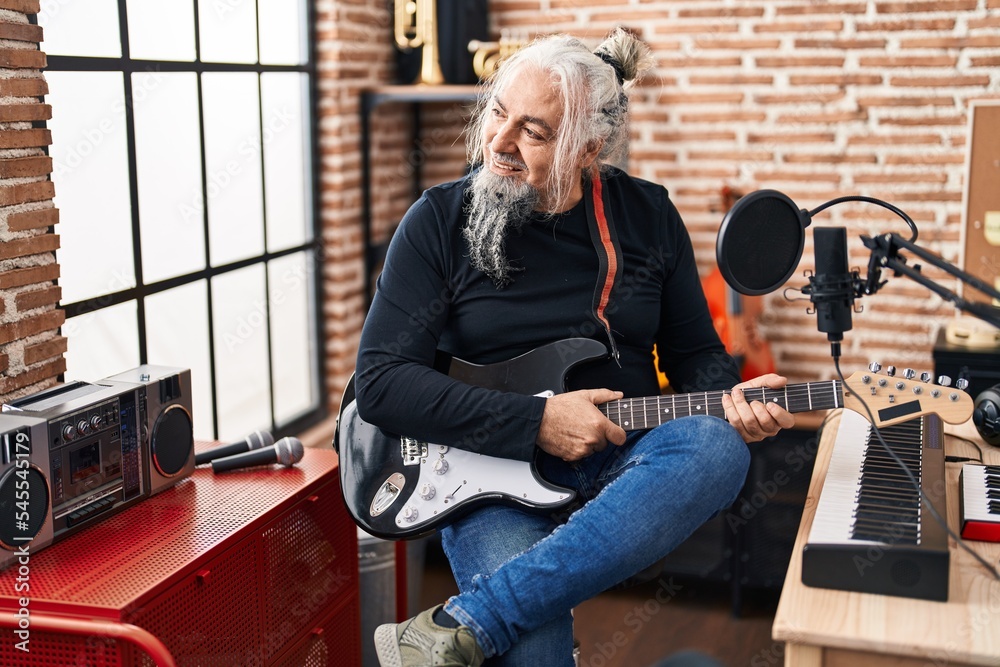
column 412, row 451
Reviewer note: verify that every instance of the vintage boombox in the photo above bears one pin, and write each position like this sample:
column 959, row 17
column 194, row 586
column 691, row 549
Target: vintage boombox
column 80, row 452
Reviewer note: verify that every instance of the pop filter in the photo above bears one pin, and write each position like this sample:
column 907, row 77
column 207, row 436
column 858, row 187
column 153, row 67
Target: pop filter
column 760, row 242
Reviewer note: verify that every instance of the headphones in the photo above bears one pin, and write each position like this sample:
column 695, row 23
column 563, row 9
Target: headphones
column 986, row 415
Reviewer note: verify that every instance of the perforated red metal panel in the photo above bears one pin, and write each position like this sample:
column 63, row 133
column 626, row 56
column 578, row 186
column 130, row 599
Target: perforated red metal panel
column 214, row 567
column 211, row 618
column 328, row 645
column 311, row 563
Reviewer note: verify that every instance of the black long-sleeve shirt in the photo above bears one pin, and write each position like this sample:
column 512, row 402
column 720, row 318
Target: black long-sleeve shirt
column 430, row 299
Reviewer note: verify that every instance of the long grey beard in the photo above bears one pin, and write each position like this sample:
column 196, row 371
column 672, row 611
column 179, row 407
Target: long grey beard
column 498, row 204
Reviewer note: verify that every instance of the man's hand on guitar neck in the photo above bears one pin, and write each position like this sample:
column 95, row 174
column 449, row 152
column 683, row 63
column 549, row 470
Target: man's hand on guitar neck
column 573, row 428
column 755, row 421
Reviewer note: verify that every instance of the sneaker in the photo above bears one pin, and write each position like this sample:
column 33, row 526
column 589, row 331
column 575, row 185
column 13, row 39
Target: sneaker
column 420, row 642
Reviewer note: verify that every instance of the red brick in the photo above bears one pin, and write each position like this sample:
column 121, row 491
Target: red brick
column 725, row 12
column 31, row 326
column 692, row 61
column 22, row 59
column 893, row 139
column 29, row 276
column 906, row 101
column 38, row 298
column 800, row 61
column 836, row 79
column 828, row 158
column 23, row 6
column 44, row 372
column 4, row 363
column 822, row 8
column 35, row 138
column 985, row 61
column 676, row 99
column 792, row 138
column 947, row 42
column 831, row 25
column 924, row 121
column 24, row 167
column 823, row 117
column 908, row 61
column 24, row 112
column 21, row 32
column 900, row 25
column 724, row 116
column 36, row 219
column 933, row 6
column 23, row 87
column 695, row 135
column 923, row 176
column 809, row 176
column 33, row 245
column 26, row 192
column 48, row 349
column 840, row 43
column 737, row 44
column 940, row 81
column 813, row 97
column 921, row 158
column 734, row 78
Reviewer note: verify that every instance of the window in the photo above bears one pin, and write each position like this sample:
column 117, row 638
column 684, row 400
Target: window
column 184, row 168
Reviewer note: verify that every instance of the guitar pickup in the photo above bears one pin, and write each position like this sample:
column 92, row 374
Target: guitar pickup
column 412, row 451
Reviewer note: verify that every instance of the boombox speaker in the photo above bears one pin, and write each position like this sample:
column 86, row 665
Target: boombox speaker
column 165, row 423
column 25, row 496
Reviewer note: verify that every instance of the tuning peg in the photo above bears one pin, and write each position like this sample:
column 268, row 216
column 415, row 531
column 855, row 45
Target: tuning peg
column 909, row 373
column 890, row 370
column 874, row 367
column 925, row 377
column 961, row 383
column 944, row 381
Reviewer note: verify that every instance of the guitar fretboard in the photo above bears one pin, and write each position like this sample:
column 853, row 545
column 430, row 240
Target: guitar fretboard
column 634, row 414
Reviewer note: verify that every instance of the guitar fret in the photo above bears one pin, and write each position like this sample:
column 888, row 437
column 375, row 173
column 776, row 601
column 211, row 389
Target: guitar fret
column 656, row 410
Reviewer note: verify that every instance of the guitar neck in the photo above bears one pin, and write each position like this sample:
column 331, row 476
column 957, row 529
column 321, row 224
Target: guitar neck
column 642, row 413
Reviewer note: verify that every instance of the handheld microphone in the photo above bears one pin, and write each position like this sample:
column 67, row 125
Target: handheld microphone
column 256, row 440
column 287, row 452
column 831, row 289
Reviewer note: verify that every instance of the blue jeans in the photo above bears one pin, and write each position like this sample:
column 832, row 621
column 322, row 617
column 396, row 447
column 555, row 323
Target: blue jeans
column 520, row 574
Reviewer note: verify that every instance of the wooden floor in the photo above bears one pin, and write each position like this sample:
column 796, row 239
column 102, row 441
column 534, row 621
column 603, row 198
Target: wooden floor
column 644, row 624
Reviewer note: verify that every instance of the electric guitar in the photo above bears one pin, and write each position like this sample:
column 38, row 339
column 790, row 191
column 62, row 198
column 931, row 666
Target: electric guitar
column 398, row 487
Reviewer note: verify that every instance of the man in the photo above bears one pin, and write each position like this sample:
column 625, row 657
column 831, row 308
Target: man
column 545, row 241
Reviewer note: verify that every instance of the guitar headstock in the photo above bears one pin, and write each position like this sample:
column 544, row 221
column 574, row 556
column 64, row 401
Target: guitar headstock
column 895, row 399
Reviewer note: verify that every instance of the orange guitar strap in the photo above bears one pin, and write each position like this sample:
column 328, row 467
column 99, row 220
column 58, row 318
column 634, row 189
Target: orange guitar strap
column 602, row 233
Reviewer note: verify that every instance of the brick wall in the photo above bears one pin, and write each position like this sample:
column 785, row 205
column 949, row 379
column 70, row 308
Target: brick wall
column 816, row 100
column 30, row 347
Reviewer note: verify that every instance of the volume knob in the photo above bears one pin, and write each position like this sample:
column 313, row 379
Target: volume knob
column 440, row 466
column 427, row 491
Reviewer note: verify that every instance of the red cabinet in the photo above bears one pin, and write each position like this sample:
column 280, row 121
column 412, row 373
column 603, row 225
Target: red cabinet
column 253, row 567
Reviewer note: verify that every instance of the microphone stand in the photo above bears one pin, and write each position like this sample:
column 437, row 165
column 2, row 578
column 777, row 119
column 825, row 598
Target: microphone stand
column 885, row 250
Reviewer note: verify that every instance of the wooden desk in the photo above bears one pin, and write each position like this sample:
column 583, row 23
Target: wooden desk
column 838, row 628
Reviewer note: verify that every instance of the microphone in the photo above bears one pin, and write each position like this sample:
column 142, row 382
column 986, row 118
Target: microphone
column 832, row 288
column 287, row 452
column 256, row 440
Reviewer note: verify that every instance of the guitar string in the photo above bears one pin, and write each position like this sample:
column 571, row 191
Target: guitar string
column 706, row 402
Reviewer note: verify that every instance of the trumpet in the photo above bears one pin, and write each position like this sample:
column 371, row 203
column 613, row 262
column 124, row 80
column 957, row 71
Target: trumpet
column 487, row 56
column 416, row 26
